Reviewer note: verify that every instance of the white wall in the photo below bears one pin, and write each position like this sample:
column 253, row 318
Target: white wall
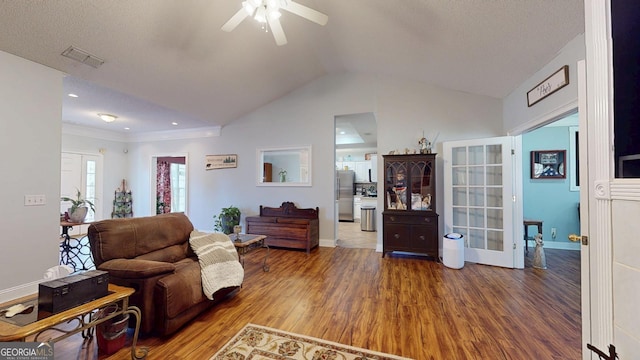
column 516, row 113
column 404, row 110
column 30, row 108
column 304, row 117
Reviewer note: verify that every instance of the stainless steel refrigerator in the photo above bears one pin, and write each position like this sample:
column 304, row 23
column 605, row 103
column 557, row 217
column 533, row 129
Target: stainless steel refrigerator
column 346, row 190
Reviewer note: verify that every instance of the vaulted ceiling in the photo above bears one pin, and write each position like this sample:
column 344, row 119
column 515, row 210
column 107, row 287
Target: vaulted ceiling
column 167, row 61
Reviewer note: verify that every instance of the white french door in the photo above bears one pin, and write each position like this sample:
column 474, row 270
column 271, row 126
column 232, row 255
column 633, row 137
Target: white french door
column 478, row 200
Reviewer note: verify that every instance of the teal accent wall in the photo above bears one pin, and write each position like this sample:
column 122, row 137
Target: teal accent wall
column 549, row 200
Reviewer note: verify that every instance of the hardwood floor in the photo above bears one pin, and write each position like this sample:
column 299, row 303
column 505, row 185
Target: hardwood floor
column 402, row 305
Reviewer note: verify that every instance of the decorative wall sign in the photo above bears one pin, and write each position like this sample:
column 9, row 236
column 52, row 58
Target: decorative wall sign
column 221, row 161
column 548, row 86
column 549, row 164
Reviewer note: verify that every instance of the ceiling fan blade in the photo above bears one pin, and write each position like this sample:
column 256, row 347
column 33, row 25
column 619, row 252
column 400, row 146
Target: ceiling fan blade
column 235, row 20
column 278, row 33
column 306, row 12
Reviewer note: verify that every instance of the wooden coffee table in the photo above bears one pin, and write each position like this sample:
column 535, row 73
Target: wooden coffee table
column 46, row 329
column 245, row 243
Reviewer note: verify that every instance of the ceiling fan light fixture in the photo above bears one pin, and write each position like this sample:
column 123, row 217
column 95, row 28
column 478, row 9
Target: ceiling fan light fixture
column 261, row 15
column 248, row 7
column 268, row 13
column 107, row 117
column 274, row 14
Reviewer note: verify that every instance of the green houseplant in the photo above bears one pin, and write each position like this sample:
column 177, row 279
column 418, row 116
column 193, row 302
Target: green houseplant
column 227, row 219
column 79, row 207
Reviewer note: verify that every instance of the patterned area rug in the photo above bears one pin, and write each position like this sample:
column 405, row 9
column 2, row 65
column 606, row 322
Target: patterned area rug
column 255, row 342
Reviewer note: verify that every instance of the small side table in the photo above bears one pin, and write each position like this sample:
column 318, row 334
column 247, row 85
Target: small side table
column 75, row 250
column 528, row 223
column 245, row 243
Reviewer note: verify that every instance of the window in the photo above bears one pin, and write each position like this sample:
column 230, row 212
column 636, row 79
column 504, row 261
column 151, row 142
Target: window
column 90, row 190
column 178, row 187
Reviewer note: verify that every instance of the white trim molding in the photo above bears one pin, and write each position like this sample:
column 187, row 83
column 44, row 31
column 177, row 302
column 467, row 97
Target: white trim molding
column 19, row 291
column 601, row 190
column 195, row 133
column 625, row 189
column 567, row 109
column 599, row 119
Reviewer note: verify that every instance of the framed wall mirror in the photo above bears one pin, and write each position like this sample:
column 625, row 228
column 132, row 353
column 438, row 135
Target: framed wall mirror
column 284, row 166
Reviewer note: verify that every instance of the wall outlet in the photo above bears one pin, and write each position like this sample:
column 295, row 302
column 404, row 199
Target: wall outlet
column 554, row 233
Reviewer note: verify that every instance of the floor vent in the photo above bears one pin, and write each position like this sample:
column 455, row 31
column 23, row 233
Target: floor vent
column 83, row 57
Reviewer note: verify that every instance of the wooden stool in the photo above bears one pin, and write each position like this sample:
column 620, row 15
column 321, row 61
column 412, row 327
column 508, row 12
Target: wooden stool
column 528, row 223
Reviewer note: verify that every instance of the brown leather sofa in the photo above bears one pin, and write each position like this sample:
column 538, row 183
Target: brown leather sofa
column 153, row 256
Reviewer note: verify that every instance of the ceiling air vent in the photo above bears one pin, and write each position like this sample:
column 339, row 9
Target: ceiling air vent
column 83, row 57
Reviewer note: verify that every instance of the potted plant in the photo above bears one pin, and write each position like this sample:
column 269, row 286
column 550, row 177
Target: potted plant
column 227, row 219
column 79, row 207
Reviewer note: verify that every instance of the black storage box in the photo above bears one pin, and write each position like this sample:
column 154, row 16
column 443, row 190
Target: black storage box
column 62, row 294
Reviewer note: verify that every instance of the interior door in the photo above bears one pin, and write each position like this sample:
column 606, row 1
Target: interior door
column 71, row 177
column 478, row 199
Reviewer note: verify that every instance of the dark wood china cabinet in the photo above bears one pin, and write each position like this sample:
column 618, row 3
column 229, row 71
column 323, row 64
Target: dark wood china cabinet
column 409, row 219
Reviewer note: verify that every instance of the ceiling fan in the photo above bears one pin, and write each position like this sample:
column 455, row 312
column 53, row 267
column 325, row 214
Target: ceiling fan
column 267, row 12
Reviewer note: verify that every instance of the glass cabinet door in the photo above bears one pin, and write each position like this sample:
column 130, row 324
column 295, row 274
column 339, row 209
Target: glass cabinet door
column 395, row 185
column 409, row 183
column 422, row 191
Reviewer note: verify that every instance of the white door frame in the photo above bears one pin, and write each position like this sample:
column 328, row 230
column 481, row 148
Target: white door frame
column 152, row 180
column 599, row 90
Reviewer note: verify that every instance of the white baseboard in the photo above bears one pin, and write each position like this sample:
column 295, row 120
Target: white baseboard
column 19, row 291
column 327, row 243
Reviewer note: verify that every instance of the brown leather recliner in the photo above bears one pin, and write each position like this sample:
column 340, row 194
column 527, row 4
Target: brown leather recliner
column 153, row 256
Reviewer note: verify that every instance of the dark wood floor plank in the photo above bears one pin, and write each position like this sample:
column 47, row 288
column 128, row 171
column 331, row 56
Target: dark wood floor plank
column 402, row 305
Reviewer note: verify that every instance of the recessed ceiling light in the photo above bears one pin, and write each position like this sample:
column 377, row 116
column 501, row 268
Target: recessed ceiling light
column 73, row 95
column 127, row 128
column 107, row 117
column 174, row 123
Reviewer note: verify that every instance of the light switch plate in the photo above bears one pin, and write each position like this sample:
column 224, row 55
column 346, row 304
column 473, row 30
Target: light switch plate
column 35, row 200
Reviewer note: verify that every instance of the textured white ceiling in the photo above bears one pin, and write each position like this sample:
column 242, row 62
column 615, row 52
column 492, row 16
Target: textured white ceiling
column 168, row 59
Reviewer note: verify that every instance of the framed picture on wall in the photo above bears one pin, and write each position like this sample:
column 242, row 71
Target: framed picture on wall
column 221, row 161
column 549, row 164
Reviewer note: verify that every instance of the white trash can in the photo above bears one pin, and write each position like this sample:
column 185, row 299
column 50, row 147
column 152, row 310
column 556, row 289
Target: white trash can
column 453, row 251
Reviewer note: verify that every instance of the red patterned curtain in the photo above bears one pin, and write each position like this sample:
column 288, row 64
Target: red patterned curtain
column 163, row 186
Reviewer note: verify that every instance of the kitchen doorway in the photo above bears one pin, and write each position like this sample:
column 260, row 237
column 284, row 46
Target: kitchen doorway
column 356, row 184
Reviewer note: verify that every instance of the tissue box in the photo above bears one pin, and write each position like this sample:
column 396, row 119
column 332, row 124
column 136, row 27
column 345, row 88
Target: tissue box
column 62, row 294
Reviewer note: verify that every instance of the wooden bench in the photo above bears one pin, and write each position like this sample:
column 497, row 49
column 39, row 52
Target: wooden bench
column 287, row 226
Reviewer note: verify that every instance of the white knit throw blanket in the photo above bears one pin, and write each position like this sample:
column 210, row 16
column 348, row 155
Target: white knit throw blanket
column 219, row 265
